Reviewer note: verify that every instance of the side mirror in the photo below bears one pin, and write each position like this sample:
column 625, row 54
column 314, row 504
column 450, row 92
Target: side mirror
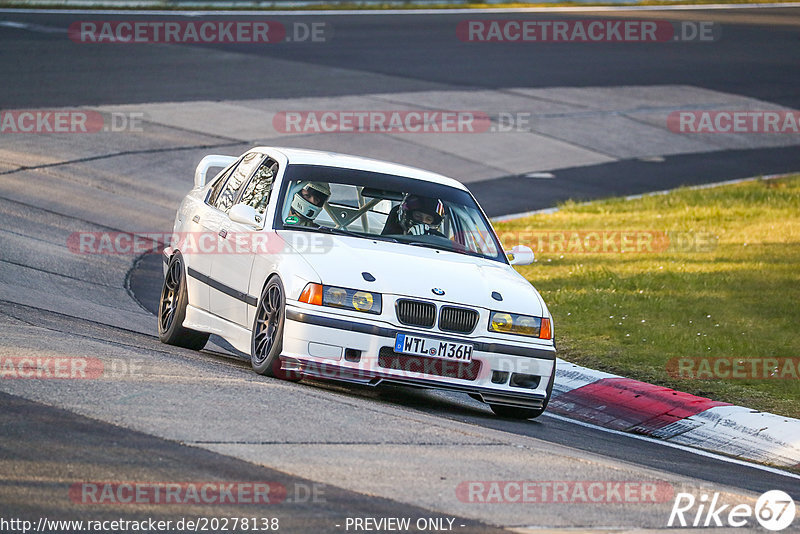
column 520, row 255
column 206, row 163
column 242, row 213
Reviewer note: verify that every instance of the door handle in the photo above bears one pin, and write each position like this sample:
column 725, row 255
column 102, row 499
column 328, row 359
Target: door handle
column 223, row 234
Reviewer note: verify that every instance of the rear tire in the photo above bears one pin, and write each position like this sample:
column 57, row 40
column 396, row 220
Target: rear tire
column 172, row 309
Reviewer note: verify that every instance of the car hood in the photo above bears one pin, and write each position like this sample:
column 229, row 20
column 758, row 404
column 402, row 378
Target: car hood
column 411, row 271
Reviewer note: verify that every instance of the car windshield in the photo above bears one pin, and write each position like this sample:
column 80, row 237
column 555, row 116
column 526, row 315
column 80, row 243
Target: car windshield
column 382, row 206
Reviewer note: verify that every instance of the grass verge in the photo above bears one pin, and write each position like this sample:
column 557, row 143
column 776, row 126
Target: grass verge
column 716, row 274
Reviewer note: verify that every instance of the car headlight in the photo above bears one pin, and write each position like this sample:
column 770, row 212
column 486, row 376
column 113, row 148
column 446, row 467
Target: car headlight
column 342, row 297
column 523, row 325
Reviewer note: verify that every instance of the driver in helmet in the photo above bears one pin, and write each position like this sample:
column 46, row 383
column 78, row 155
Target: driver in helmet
column 307, row 203
column 416, row 215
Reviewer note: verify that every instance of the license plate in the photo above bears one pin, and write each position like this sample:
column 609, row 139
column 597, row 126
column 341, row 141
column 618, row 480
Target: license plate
column 433, row 348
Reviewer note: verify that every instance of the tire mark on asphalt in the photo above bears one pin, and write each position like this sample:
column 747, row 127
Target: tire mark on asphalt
column 53, row 273
column 118, row 154
column 73, row 321
column 58, row 214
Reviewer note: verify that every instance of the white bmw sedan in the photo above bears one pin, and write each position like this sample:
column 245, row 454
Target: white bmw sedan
column 331, row 266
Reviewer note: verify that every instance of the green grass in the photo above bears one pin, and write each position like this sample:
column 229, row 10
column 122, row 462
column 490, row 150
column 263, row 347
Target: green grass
column 631, row 313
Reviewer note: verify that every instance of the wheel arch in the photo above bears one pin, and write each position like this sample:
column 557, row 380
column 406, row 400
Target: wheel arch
column 293, row 269
column 267, row 280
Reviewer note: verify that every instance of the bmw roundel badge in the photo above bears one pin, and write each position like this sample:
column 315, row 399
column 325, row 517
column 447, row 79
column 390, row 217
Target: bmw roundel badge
column 437, row 291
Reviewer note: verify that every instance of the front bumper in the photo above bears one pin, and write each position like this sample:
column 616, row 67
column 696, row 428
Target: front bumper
column 327, row 345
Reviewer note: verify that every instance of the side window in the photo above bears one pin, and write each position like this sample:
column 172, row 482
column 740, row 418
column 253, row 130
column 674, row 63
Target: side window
column 258, row 189
column 230, row 191
column 219, row 184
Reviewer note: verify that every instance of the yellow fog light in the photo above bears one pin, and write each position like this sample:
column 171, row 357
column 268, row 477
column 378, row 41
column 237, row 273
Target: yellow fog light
column 501, row 322
column 351, row 299
column 363, row 301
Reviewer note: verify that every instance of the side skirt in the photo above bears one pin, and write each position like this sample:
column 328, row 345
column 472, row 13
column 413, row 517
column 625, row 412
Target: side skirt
column 201, row 320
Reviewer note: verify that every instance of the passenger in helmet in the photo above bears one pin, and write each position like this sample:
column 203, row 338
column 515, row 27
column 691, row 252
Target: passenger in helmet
column 416, row 215
column 307, row 203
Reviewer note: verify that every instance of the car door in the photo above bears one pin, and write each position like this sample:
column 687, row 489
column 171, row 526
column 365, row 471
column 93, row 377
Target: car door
column 231, row 269
column 197, row 241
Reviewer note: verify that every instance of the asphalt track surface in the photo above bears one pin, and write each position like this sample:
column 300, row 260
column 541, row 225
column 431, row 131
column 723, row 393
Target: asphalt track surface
column 46, row 445
column 110, row 452
column 421, row 50
column 370, row 54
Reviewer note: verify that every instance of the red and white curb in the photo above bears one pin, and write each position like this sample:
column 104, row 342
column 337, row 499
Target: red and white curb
column 627, row 405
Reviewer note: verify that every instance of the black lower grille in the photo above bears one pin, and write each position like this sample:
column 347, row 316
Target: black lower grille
column 416, row 313
column 389, row 359
column 461, row 320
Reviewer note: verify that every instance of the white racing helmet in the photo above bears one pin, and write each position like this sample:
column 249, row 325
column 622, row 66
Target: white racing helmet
column 308, row 201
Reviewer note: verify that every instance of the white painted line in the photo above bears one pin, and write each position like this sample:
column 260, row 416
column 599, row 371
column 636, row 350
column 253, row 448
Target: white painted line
column 513, row 216
column 376, row 12
column 685, row 448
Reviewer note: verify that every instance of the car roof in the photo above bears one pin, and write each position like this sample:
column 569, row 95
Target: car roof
column 302, row 156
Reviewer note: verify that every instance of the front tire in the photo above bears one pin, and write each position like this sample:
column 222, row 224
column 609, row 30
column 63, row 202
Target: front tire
column 172, row 309
column 266, row 342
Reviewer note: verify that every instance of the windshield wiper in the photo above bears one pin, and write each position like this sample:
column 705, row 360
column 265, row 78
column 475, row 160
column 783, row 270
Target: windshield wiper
column 383, row 238
column 429, row 245
column 442, row 247
column 336, row 231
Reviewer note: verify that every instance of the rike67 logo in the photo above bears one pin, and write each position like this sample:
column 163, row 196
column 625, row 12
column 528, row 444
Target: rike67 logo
column 774, row 510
